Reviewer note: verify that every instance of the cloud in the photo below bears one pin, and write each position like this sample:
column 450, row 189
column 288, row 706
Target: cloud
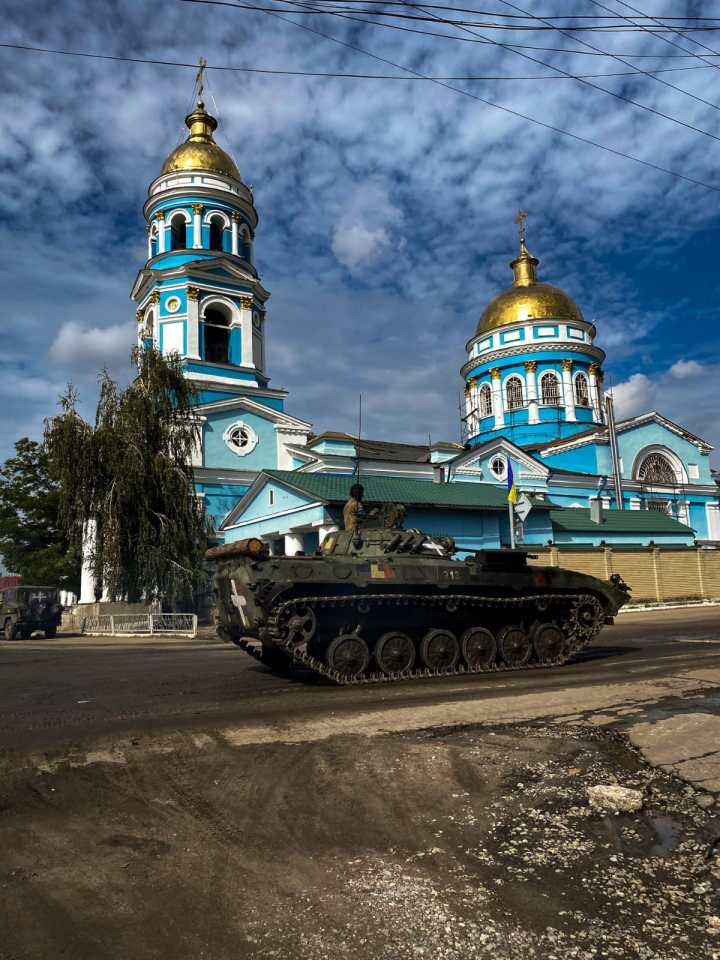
column 85, row 349
column 635, row 395
column 365, row 229
column 688, row 398
column 683, row 369
column 386, row 206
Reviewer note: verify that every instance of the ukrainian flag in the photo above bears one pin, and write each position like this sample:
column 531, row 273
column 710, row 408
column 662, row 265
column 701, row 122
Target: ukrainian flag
column 512, row 489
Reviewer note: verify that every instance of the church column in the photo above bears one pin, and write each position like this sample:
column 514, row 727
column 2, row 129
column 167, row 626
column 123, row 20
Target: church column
column 293, row 544
column 149, row 236
column 87, row 574
column 235, row 220
column 160, row 217
column 601, row 401
column 568, row 390
column 197, row 209
column 498, row 408
column 193, row 323
column 530, row 367
column 247, row 331
column 594, row 392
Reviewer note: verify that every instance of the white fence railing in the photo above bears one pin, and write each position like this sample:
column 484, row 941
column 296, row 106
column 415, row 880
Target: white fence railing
column 141, row 624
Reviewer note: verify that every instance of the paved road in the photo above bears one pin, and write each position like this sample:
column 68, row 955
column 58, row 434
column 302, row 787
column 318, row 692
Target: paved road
column 73, row 688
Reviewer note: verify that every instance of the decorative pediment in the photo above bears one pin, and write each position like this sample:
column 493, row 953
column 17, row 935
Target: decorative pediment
column 283, row 421
column 476, row 461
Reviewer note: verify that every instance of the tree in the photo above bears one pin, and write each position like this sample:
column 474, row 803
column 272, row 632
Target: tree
column 32, row 542
column 129, row 479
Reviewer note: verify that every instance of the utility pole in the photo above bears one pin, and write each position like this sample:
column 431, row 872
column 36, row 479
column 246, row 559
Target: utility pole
column 614, row 453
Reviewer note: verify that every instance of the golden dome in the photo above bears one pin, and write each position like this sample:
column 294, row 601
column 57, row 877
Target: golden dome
column 200, row 152
column 527, row 299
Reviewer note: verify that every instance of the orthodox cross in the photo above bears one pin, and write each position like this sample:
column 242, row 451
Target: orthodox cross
column 199, row 79
column 520, row 221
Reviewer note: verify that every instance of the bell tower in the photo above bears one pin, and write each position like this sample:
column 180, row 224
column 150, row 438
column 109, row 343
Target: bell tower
column 199, row 297
column 199, row 294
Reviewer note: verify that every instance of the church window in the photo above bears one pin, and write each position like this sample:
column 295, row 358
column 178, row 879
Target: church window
column 485, row 401
column 178, row 239
column 240, row 438
column 514, row 393
column 216, row 233
column 662, row 506
column 216, row 336
column 582, row 394
column 550, row 389
column 656, row 468
column 498, row 467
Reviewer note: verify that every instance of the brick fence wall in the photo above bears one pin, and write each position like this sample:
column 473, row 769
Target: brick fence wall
column 655, row 574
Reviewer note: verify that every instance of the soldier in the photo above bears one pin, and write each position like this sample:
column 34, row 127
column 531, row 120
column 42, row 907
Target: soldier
column 353, row 511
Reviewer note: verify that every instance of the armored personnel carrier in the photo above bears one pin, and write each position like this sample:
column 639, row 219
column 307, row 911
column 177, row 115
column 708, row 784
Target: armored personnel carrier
column 389, row 604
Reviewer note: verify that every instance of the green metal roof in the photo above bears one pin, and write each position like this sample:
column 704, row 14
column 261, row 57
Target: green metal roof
column 577, row 520
column 464, row 495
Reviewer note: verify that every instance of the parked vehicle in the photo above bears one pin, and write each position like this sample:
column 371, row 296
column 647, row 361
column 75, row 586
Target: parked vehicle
column 25, row 609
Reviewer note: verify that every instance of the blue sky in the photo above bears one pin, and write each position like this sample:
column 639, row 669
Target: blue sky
column 386, row 206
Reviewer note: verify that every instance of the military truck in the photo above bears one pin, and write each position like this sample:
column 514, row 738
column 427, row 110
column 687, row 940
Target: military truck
column 25, row 609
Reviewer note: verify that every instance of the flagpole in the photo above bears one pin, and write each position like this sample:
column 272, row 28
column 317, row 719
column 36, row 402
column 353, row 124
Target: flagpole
column 511, row 514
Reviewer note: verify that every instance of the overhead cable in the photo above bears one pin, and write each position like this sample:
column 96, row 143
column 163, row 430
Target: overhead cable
column 466, row 93
column 308, row 73
column 473, row 33
column 626, row 63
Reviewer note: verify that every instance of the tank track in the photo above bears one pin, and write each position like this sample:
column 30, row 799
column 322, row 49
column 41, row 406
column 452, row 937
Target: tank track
column 578, row 635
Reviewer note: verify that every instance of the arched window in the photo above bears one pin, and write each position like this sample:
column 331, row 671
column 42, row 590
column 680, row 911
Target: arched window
column 178, row 238
column 485, row 401
column 582, row 393
column 514, row 393
column 656, row 468
column 216, row 233
column 217, row 336
column 550, row 389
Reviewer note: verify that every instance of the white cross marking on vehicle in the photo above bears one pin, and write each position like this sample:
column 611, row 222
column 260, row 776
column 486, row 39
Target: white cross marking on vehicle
column 239, row 602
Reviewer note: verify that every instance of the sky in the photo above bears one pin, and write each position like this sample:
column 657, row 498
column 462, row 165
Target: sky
column 386, row 206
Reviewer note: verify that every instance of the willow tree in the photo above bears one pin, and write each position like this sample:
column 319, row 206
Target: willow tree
column 128, row 479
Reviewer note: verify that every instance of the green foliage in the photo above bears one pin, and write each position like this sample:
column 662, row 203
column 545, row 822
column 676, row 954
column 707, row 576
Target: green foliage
column 31, row 540
column 130, row 476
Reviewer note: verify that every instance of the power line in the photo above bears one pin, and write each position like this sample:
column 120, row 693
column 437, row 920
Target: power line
column 466, row 93
column 627, row 63
column 514, row 16
column 454, row 37
column 672, row 43
column 310, row 73
column 596, row 86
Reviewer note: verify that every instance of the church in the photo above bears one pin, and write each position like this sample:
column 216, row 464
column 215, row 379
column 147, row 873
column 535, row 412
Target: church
column 534, row 402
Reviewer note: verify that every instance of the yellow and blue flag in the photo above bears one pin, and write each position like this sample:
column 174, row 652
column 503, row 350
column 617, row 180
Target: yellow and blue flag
column 512, row 489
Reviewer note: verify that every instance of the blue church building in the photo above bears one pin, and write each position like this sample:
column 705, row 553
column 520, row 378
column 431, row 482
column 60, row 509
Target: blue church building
column 533, row 387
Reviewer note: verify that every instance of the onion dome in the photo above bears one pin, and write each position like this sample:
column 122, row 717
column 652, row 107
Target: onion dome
column 200, row 152
column 527, row 299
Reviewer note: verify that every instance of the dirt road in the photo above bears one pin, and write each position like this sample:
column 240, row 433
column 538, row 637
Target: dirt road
column 196, row 806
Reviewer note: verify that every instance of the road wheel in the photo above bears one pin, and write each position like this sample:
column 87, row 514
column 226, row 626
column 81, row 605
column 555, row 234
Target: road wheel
column 12, row 631
column 514, row 645
column 394, row 653
column 479, row 648
column 348, row 655
column 549, row 642
column 439, row 650
column 50, row 632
